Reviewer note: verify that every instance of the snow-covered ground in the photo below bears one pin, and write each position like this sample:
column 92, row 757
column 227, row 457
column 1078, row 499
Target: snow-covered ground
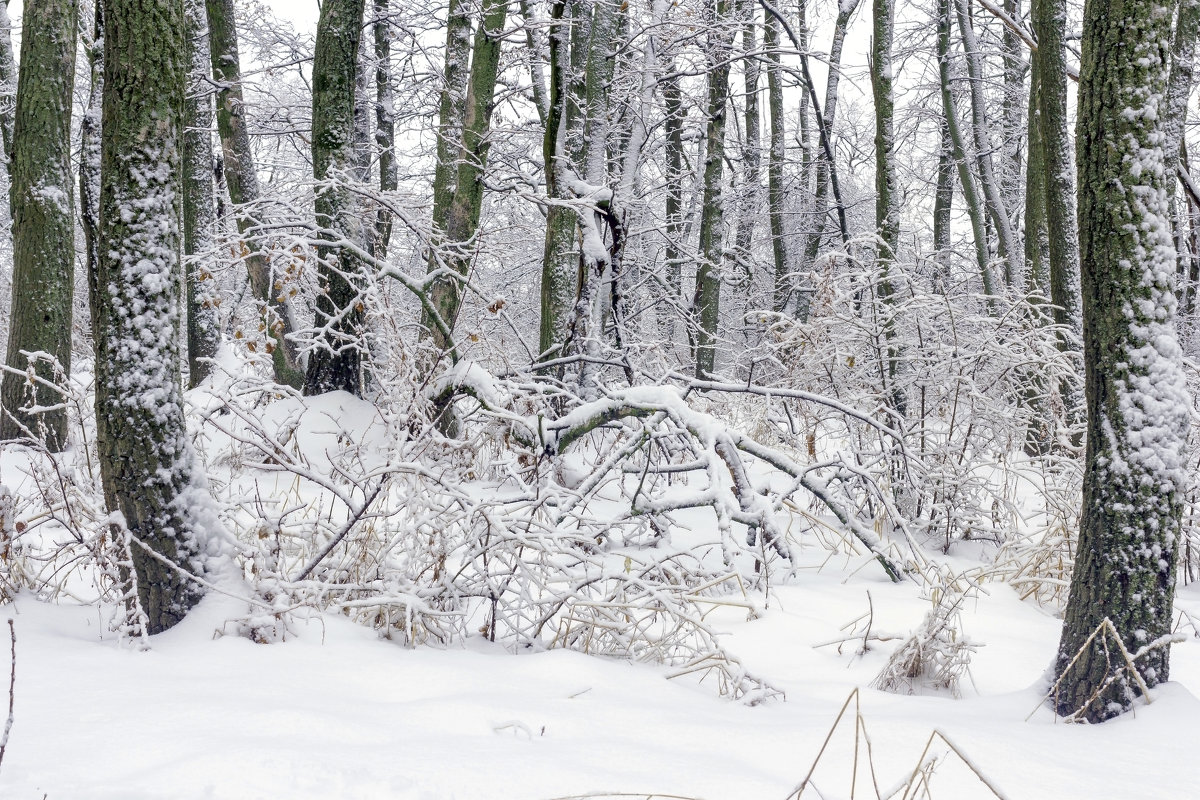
column 335, row 712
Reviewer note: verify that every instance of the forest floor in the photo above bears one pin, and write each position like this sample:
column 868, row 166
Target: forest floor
column 336, row 712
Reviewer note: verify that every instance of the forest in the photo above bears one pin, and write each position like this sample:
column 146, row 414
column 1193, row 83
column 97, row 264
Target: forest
column 533, row 398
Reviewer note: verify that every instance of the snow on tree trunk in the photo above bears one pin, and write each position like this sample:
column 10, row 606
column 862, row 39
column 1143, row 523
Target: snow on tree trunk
column 42, row 196
column 199, row 207
column 336, row 363
column 461, row 222
column 1050, row 25
column 146, row 460
column 385, row 122
column 707, row 305
column 1137, row 398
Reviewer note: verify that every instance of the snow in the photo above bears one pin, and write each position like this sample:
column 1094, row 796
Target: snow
column 335, row 712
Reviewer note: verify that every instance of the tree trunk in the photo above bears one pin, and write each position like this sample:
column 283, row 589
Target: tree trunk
column 199, row 208
column 943, row 208
column 707, row 305
column 385, row 123
column 965, row 179
column 887, row 203
column 89, row 164
column 461, row 222
column 776, row 157
column 337, row 361
column 815, row 226
column 558, row 258
column 1137, row 396
column 752, row 148
column 1037, row 234
column 674, row 116
column 1050, row 25
column 42, row 197
column 242, row 181
column 993, row 196
column 8, row 73
column 146, row 461
column 1013, row 111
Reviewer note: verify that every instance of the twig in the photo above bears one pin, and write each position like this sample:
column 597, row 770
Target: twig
column 12, row 685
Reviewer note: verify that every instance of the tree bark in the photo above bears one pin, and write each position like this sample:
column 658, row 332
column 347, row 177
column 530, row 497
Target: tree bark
column 336, row 364
column 385, row 123
column 42, row 199
column 1137, row 395
column 461, row 223
column 199, row 207
column 776, row 158
column 1062, row 223
column 887, row 203
column 146, row 462
column 707, row 305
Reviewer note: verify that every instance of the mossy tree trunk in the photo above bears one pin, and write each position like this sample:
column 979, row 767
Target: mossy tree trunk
column 337, row 361
column 146, row 461
column 467, row 164
column 42, row 199
column 1137, row 397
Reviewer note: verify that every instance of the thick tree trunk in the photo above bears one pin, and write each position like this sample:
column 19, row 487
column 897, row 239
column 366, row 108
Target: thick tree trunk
column 707, row 305
column 1137, row 396
column 242, row 181
column 42, row 198
column 199, row 207
column 337, row 361
column 146, row 462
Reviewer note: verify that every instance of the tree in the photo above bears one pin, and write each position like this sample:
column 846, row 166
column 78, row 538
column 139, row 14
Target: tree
column 43, row 211
column 337, row 362
column 241, row 178
column 199, row 207
column 1137, row 398
column 458, row 220
column 707, row 305
column 146, row 461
